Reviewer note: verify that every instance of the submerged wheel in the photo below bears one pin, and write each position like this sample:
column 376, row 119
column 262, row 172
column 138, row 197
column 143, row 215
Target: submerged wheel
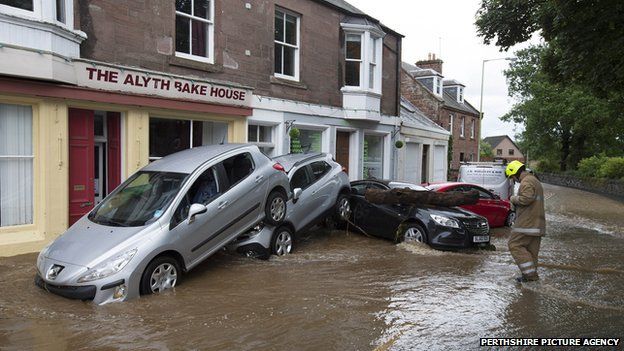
column 412, row 232
column 511, row 218
column 161, row 274
column 275, row 208
column 282, row 241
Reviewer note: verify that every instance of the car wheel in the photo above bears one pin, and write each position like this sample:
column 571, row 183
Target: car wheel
column 343, row 208
column 511, row 218
column 282, row 241
column 412, row 232
column 161, row 274
column 275, row 208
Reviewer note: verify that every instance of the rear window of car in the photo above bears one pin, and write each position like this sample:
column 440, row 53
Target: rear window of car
column 238, row 167
column 319, row 169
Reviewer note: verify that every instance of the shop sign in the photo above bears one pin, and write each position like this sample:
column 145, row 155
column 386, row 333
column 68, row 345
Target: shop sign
column 147, row 83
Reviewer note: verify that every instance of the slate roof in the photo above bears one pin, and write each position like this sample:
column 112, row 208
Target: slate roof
column 416, row 118
column 451, row 82
column 352, row 10
column 495, row 140
column 451, row 102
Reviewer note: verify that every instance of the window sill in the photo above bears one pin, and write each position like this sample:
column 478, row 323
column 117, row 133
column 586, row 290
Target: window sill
column 197, row 65
column 289, row 83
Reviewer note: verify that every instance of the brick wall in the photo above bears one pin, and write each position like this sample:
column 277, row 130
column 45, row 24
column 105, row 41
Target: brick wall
column 465, row 144
column 142, row 34
column 422, row 98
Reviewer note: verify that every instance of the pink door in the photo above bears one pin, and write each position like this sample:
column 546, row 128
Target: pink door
column 81, row 167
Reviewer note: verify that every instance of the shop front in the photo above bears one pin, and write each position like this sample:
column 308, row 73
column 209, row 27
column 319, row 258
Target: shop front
column 64, row 147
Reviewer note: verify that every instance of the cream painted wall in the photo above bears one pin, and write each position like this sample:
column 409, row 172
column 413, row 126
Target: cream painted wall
column 51, row 160
column 50, row 170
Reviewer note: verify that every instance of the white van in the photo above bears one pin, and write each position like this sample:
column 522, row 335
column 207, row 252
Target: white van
column 490, row 175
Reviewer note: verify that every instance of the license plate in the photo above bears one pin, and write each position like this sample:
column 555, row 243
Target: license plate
column 481, row 238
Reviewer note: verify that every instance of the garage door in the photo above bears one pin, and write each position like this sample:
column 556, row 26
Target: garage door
column 439, row 164
column 412, row 163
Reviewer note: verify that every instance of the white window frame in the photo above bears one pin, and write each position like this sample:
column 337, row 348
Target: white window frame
column 472, row 128
column 15, row 11
column 462, row 125
column 371, row 46
column 284, row 12
column 360, row 61
column 460, row 95
column 387, row 147
column 451, row 122
column 262, row 144
column 210, row 29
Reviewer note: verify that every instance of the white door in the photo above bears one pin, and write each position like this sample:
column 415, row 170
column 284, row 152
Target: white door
column 439, row 164
column 412, row 163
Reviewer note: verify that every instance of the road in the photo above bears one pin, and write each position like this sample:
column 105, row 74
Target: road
column 345, row 291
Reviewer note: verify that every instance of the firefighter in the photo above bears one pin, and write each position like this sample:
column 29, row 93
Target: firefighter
column 530, row 224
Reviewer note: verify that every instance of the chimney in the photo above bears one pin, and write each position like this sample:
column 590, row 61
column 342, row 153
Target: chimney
column 432, row 62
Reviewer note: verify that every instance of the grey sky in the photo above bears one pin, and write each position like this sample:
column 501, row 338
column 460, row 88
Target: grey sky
column 446, row 28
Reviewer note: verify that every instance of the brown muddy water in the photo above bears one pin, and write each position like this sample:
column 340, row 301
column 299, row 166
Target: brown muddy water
column 343, row 291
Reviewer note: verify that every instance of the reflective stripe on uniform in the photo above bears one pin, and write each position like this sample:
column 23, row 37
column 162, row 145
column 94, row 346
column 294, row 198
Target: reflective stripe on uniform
column 525, row 265
column 528, row 271
column 526, row 230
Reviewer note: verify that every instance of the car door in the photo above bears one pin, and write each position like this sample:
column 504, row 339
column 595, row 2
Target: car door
column 486, row 206
column 302, row 210
column 189, row 235
column 324, row 191
column 374, row 219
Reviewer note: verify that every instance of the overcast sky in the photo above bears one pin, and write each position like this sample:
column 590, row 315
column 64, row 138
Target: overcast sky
column 446, row 28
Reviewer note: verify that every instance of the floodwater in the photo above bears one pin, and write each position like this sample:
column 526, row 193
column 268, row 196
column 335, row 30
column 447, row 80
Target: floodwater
column 344, row 291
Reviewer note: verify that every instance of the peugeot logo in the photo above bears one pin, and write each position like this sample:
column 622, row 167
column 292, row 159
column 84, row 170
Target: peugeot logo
column 54, row 271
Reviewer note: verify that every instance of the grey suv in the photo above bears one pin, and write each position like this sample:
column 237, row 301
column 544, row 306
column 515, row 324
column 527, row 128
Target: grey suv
column 320, row 189
column 164, row 220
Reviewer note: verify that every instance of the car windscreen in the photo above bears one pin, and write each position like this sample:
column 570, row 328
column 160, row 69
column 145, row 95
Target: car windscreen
column 140, row 200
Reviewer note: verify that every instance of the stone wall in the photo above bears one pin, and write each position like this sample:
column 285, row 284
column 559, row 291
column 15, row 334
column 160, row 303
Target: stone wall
column 611, row 187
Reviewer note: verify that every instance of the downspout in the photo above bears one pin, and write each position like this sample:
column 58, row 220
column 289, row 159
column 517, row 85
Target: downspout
column 395, row 153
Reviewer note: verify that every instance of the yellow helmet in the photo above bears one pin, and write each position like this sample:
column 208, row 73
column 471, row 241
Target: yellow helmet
column 512, row 168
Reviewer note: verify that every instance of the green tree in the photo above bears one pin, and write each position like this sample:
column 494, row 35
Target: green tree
column 583, row 39
column 485, row 150
column 563, row 122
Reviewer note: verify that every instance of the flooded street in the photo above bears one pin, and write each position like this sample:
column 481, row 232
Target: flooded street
column 344, row 291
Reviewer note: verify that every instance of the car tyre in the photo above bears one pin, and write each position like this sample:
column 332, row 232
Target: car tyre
column 282, row 241
column 161, row 274
column 411, row 232
column 343, row 208
column 275, row 208
column 511, row 218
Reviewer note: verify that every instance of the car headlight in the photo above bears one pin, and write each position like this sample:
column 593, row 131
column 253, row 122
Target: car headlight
column 108, row 267
column 42, row 255
column 445, row 221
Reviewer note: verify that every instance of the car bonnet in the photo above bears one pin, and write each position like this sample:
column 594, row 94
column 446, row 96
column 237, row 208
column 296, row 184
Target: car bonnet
column 86, row 243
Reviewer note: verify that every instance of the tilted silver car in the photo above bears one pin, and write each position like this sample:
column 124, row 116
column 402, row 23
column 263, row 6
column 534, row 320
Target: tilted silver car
column 163, row 221
column 320, row 189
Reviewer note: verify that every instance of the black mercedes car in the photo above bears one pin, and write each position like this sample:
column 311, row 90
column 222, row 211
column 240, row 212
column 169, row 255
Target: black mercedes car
column 441, row 227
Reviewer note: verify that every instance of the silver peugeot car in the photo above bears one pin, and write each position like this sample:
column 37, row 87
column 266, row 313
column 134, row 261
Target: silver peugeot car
column 320, row 190
column 163, row 221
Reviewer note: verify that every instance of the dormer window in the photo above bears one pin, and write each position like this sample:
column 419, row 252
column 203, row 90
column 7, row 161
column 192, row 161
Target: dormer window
column 460, row 95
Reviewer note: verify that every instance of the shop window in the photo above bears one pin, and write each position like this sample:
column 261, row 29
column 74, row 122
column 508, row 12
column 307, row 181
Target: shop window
column 167, row 136
column 511, row 152
column 194, row 29
column 308, row 141
column 373, row 156
column 16, row 165
column 286, row 45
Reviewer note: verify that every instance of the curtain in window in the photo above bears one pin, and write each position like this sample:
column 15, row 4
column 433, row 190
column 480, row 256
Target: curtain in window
column 16, row 165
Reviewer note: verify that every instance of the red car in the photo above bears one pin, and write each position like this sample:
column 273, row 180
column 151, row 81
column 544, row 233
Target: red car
column 497, row 211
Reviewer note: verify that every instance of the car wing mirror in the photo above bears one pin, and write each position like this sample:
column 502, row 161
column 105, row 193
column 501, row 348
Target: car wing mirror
column 196, row 209
column 297, row 194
